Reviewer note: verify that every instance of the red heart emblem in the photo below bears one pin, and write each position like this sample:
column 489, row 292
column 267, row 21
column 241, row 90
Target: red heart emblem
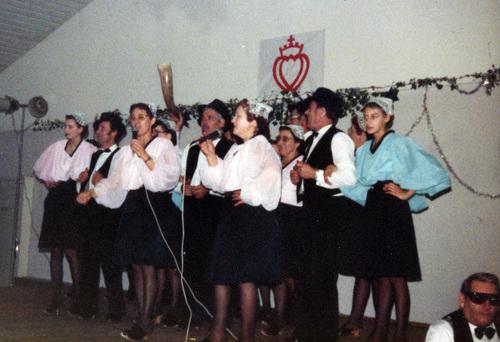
column 290, row 68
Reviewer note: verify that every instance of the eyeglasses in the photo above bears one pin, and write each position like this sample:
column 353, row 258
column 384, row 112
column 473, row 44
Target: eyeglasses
column 480, row 298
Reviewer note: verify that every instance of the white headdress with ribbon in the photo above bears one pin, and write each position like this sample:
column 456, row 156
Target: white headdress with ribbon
column 80, row 118
column 260, row 109
column 297, row 130
column 383, row 102
column 153, row 108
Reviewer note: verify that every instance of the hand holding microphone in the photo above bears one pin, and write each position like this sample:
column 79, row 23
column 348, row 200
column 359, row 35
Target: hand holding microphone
column 137, row 148
column 208, row 148
column 212, row 136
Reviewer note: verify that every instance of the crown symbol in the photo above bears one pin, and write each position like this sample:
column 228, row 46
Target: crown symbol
column 293, row 48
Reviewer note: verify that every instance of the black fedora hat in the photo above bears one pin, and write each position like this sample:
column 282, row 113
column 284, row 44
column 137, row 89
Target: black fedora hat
column 328, row 99
column 217, row 105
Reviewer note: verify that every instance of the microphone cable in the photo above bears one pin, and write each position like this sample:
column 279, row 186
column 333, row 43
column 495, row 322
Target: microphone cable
column 180, row 268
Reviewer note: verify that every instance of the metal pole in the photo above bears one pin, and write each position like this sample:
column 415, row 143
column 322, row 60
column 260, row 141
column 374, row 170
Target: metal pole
column 17, row 199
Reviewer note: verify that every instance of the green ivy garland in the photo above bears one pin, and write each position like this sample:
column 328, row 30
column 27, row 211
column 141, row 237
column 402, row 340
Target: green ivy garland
column 355, row 98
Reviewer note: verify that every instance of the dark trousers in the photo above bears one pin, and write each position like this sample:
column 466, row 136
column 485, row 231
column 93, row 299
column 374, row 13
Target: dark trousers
column 91, row 265
column 95, row 253
column 317, row 295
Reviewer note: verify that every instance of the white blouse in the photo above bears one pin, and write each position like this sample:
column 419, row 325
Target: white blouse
column 288, row 189
column 342, row 148
column 254, row 167
column 129, row 172
column 54, row 164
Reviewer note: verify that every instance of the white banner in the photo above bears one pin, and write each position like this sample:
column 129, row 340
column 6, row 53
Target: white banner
column 291, row 63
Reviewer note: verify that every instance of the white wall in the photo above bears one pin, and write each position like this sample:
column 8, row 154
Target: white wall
column 105, row 58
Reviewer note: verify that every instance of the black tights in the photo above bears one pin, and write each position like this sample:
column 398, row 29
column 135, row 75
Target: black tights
column 146, row 288
column 56, row 273
column 284, row 294
column 392, row 289
column 361, row 293
column 174, row 280
column 248, row 305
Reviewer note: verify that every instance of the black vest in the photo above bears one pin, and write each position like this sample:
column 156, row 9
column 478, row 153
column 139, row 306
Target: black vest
column 461, row 330
column 319, row 158
column 104, row 169
column 192, row 159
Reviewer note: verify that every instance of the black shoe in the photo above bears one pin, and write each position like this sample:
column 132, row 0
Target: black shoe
column 170, row 320
column 195, row 323
column 136, row 333
column 274, row 327
column 264, row 316
column 294, row 339
column 114, row 317
column 74, row 310
column 130, row 295
column 53, row 309
column 209, row 339
column 88, row 316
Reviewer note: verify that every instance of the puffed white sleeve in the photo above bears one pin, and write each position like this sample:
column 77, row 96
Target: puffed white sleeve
column 440, row 331
column 183, row 159
column 211, row 176
column 81, row 159
column 109, row 191
column 343, row 157
column 260, row 173
column 44, row 165
column 167, row 168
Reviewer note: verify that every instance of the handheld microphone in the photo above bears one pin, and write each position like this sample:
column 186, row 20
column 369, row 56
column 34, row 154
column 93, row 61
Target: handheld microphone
column 212, row 136
column 134, row 136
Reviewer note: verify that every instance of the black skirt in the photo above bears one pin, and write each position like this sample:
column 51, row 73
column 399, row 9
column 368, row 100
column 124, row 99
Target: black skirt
column 59, row 224
column 292, row 239
column 246, row 248
column 139, row 240
column 387, row 245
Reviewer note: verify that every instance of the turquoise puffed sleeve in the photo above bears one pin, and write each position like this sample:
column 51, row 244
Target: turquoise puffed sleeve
column 401, row 160
column 417, row 170
column 359, row 191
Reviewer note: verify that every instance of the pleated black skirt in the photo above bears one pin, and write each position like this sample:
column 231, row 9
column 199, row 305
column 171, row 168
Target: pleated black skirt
column 139, row 240
column 246, row 248
column 385, row 243
column 59, row 224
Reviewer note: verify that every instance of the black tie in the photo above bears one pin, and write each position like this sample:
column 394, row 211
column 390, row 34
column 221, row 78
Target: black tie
column 99, row 152
column 309, row 141
column 480, row 332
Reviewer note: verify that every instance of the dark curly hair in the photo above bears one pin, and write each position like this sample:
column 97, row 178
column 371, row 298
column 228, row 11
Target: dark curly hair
column 115, row 122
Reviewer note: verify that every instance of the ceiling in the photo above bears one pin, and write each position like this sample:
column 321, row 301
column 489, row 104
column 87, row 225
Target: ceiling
column 25, row 23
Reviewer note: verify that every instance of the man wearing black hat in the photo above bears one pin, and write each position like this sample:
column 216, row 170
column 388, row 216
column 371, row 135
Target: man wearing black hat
column 327, row 211
column 202, row 207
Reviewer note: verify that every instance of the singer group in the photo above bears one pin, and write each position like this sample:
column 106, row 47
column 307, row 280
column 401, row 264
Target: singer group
column 237, row 215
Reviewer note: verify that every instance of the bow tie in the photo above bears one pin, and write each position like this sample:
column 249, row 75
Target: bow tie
column 105, row 151
column 480, row 332
column 315, row 134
